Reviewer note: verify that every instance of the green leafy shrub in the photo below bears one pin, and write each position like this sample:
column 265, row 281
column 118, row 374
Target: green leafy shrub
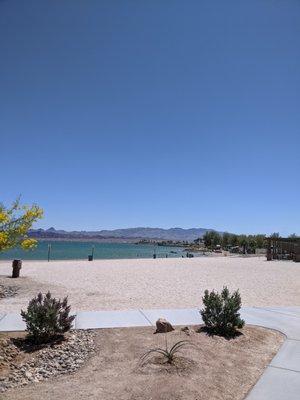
column 221, row 312
column 47, row 318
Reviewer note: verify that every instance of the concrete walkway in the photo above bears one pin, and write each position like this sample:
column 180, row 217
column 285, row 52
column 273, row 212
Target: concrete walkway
column 281, row 379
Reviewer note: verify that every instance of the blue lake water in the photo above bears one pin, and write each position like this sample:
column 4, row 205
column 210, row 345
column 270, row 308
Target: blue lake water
column 80, row 251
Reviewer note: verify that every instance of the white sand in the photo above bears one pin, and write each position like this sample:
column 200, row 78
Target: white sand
column 160, row 283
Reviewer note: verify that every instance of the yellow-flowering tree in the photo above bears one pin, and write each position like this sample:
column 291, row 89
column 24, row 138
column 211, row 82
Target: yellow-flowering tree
column 15, row 223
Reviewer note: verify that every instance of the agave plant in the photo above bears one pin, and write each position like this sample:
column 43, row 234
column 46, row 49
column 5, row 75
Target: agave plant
column 168, row 354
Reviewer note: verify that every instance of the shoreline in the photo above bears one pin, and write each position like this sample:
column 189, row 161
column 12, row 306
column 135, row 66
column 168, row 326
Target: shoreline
column 196, row 255
column 207, row 255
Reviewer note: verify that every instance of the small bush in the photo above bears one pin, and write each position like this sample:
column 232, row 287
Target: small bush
column 47, row 318
column 221, row 312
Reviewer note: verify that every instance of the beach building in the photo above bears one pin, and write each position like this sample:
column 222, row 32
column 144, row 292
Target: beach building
column 279, row 248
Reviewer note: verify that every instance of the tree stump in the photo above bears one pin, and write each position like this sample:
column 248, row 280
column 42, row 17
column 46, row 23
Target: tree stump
column 16, row 266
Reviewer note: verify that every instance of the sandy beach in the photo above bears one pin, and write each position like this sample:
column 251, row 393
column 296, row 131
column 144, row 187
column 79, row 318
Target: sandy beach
column 148, row 283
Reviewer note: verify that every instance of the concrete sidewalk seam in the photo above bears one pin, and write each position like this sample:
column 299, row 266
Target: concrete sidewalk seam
column 141, row 311
column 4, row 315
column 278, row 312
column 286, row 369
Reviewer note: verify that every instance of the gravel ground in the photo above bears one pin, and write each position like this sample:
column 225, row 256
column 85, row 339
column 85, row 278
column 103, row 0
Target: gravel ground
column 148, row 283
column 22, row 363
column 8, row 291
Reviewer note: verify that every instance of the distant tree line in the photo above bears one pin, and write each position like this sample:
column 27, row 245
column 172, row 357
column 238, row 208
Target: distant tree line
column 248, row 243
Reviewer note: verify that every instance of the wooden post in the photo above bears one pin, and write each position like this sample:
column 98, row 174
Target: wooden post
column 16, row 266
column 269, row 251
column 49, row 251
column 91, row 256
column 154, row 252
column 269, row 254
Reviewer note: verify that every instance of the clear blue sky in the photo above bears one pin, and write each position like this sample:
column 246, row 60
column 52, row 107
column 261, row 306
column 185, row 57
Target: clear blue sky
column 152, row 113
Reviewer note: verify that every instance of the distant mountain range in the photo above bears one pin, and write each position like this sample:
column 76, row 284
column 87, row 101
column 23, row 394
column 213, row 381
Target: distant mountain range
column 176, row 234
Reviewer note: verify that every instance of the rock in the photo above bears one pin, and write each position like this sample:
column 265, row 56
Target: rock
column 187, row 330
column 163, row 326
column 8, row 291
column 28, row 375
